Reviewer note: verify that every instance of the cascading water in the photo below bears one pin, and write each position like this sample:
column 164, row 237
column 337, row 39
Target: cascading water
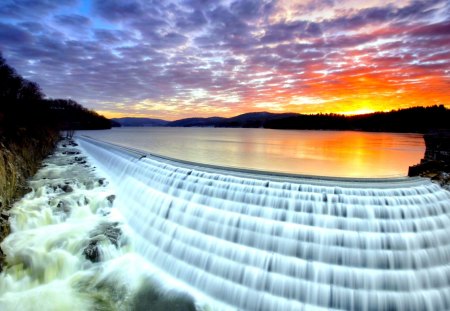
column 69, row 248
column 260, row 242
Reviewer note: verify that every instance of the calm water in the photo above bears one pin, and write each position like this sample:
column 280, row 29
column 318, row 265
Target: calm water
column 326, row 153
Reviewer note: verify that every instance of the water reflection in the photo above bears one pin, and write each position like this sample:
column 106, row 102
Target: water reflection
column 327, row 153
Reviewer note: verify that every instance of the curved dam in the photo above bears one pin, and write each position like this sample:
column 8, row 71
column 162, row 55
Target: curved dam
column 269, row 242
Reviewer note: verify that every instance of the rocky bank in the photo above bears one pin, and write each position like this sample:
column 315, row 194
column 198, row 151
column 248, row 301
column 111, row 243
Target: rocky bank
column 20, row 158
column 436, row 161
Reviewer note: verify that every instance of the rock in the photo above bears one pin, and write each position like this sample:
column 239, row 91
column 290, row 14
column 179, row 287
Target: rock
column 4, row 215
column 71, row 152
column 63, row 207
column 80, row 160
column 111, row 198
column 149, row 298
column 442, row 178
column 91, row 252
column 112, row 232
column 436, row 158
column 106, row 230
column 67, row 188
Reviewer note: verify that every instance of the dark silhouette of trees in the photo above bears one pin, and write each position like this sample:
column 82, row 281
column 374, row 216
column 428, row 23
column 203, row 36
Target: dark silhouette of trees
column 30, row 126
column 24, row 111
column 73, row 116
column 412, row 120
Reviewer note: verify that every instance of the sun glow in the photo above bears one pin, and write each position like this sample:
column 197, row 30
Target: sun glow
column 359, row 111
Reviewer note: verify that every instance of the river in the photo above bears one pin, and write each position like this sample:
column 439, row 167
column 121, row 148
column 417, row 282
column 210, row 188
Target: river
column 324, row 153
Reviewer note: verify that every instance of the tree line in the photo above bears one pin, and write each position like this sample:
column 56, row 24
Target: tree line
column 24, row 110
column 413, row 120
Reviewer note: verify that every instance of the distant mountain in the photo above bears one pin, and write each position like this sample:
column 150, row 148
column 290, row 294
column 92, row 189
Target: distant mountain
column 415, row 119
column 252, row 119
column 205, row 122
column 140, row 122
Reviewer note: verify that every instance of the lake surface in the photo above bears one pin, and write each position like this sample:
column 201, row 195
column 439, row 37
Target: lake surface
column 325, row 153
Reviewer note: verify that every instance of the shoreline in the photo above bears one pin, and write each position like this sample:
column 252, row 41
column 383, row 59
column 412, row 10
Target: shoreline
column 19, row 161
column 272, row 129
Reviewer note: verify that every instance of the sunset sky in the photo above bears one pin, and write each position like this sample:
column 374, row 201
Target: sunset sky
column 183, row 58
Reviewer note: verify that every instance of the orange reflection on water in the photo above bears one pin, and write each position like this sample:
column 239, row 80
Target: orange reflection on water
column 326, row 153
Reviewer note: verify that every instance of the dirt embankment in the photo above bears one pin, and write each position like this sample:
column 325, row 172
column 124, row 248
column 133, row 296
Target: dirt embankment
column 19, row 159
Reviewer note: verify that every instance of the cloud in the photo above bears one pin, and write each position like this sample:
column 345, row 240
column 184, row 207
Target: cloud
column 242, row 54
column 31, row 8
column 115, row 10
column 72, row 20
column 192, row 21
column 11, row 35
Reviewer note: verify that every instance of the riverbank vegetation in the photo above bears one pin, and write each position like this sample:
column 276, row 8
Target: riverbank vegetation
column 30, row 125
column 409, row 120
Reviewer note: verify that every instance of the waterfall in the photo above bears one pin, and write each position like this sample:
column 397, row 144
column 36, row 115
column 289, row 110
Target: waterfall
column 267, row 242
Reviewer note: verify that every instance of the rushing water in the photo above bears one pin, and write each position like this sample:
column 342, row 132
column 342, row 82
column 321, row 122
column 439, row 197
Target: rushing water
column 259, row 242
column 69, row 248
column 324, row 153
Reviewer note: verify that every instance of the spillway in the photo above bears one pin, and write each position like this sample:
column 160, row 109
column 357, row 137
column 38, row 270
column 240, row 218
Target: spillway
column 266, row 242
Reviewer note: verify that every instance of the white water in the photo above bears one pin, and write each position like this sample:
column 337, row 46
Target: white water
column 258, row 242
column 68, row 210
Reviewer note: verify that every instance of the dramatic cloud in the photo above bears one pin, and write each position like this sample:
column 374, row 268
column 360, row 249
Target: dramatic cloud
column 179, row 58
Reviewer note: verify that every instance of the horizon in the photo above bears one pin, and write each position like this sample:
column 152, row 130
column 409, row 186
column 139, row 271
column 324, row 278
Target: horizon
column 190, row 58
column 286, row 112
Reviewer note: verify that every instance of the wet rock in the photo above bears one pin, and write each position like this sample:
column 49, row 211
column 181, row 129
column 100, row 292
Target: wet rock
column 442, row 178
column 103, row 212
column 149, row 298
column 63, row 207
column 104, row 231
column 80, row 160
column 69, row 143
column 111, row 231
column 67, row 188
column 4, row 215
column 111, row 198
column 64, row 187
column 437, row 156
column 71, row 152
column 91, row 252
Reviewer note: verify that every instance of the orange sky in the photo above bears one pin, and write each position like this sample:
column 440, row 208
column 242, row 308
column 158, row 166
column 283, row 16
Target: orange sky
column 175, row 59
